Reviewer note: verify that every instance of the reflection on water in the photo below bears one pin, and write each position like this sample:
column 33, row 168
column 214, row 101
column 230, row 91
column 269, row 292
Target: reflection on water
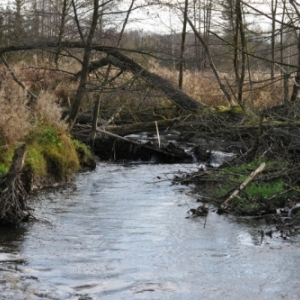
column 11, row 239
column 121, row 233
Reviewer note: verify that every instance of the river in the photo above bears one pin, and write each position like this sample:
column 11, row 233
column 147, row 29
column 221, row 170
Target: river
column 121, row 232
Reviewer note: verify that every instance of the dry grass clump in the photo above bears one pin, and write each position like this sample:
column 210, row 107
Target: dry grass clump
column 201, row 86
column 15, row 114
column 48, row 111
column 259, row 91
column 18, row 116
column 40, row 78
column 204, row 88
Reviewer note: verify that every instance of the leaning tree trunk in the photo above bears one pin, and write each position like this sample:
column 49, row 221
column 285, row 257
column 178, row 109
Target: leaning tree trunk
column 155, row 81
column 85, row 63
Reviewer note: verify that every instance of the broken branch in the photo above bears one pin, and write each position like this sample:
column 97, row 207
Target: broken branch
column 243, row 185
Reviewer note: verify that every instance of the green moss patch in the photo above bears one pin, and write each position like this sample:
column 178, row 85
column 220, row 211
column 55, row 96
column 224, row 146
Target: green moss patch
column 52, row 151
column 83, row 151
column 6, row 155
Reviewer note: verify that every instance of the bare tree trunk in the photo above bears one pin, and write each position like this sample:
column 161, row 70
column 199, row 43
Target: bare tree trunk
column 273, row 36
column 85, row 65
column 285, row 75
column 182, row 46
column 196, row 42
column 241, row 33
column 106, row 78
column 61, row 30
column 297, row 77
column 207, row 7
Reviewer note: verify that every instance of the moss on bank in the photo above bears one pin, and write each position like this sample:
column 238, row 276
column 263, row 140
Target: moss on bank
column 51, row 152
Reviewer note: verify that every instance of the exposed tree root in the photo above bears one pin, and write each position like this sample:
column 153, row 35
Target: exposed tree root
column 13, row 208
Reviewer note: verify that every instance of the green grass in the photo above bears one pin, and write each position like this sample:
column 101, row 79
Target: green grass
column 52, row 151
column 35, row 160
column 259, row 195
column 265, row 189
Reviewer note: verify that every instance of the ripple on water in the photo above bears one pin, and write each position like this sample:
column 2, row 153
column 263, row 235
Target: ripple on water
column 113, row 234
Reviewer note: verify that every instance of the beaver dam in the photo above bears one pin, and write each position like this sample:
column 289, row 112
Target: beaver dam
column 258, row 178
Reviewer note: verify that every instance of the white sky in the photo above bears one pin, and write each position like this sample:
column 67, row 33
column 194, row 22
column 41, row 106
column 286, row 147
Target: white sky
column 162, row 20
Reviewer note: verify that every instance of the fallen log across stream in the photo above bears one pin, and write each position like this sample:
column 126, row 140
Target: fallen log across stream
column 110, row 146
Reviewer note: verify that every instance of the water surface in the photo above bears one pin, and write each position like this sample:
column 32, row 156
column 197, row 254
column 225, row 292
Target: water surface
column 121, row 233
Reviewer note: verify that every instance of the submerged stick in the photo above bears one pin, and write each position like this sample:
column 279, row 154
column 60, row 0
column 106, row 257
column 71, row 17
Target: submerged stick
column 243, row 185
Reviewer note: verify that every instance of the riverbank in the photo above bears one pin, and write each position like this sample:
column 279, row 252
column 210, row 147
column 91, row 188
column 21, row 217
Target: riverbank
column 47, row 157
column 50, row 154
column 262, row 179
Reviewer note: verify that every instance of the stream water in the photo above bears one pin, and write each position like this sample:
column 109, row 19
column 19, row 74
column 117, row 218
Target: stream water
column 120, row 232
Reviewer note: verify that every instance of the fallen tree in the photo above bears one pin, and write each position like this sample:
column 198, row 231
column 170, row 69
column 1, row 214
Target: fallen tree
column 155, row 81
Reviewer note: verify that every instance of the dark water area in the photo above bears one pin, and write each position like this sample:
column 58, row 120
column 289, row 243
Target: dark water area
column 120, row 232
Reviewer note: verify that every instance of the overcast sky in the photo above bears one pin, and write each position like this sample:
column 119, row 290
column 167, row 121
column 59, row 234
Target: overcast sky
column 161, row 20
